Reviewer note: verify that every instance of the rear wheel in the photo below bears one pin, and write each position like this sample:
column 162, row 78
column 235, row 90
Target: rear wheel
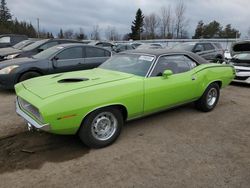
column 209, row 99
column 101, row 127
column 28, row 75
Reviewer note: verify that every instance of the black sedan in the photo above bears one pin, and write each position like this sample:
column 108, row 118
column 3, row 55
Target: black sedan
column 36, row 48
column 4, row 52
column 57, row 59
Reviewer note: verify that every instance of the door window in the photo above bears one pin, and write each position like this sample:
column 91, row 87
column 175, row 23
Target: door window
column 71, row 53
column 208, row 46
column 175, row 63
column 96, row 52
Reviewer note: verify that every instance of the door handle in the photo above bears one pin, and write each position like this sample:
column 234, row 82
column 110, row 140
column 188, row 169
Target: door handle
column 193, row 78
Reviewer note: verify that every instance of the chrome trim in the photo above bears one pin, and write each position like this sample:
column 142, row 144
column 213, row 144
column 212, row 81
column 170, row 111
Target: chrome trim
column 45, row 127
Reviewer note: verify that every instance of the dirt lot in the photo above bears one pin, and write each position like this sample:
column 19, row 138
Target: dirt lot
column 177, row 148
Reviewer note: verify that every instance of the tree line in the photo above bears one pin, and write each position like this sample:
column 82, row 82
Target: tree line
column 171, row 22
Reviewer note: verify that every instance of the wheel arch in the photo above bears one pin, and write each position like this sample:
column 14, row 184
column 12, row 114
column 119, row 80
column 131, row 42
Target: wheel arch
column 26, row 71
column 118, row 106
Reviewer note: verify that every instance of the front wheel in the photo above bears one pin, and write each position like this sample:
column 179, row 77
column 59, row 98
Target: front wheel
column 209, row 99
column 101, row 127
column 28, row 75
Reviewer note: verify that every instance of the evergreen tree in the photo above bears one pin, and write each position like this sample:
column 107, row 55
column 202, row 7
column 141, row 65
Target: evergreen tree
column 212, row 30
column 137, row 26
column 229, row 32
column 199, row 30
column 5, row 15
column 60, row 34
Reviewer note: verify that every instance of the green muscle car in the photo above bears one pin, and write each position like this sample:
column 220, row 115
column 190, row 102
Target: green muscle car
column 95, row 103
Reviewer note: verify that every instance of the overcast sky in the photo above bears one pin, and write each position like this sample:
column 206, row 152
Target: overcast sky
column 56, row 14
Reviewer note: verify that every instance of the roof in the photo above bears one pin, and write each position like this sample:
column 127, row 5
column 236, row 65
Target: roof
column 160, row 52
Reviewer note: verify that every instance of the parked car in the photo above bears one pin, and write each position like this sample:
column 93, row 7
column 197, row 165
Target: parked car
column 240, row 52
column 95, row 103
column 150, row 46
column 136, row 44
column 103, row 44
column 208, row 50
column 4, row 52
column 122, row 47
column 37, row 47
column 57, row 59
column 9, row 40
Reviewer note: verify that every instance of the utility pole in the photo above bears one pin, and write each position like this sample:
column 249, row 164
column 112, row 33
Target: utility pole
column 38, row 35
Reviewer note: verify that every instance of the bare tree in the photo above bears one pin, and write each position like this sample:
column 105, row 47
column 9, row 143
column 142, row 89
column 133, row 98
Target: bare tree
column 68, row 34
column 180, row 20
column 165, row 22
column 151, row 22
column 111, row 33
column 95, row 34
column 81, row 35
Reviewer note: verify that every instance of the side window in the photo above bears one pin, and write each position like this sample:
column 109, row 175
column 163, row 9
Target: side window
column 175, row 63
column 48, row 45
column 198, row 48
column 96, row 52
column 208, row 46
column 5, row 40
column 71, row 53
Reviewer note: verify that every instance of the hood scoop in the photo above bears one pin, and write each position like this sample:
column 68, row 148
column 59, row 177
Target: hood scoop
column 72, row 80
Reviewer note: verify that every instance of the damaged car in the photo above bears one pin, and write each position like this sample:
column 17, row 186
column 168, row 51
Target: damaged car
column 240, row 52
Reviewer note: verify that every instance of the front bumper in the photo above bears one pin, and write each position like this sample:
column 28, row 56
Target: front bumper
column 31, row 122
column 242, row 74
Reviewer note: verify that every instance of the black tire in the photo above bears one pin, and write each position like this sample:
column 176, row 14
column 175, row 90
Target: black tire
column 28, row 75
column 88, row 131
column 206, row 105
column 218, row 60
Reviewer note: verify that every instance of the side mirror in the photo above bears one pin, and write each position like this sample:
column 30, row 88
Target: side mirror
column 167, row 73
column 54, row 61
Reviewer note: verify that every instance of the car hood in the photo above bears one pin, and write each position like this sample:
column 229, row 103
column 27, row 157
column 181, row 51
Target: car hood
column 240, row 47
column 47, row 86
column 17, row 61
column 9, row 51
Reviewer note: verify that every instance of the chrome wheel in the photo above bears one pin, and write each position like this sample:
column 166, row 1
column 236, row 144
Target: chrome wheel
column 212, row 97
column 104, row 126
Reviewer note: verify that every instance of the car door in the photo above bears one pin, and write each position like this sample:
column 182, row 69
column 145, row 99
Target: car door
column 95, row 56
column 70, row 59
column 179, row 88
column 210, row 51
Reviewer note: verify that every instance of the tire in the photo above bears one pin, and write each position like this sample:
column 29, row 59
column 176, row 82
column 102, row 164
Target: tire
column 218, row 60
column 101, row 127
column 209, row 99
column 28, row 75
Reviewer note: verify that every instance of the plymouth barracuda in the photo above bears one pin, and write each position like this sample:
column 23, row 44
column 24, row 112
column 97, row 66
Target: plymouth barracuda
column 94, row 104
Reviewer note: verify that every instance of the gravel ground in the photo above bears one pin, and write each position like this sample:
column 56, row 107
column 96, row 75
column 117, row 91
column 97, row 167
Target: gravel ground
column 177, row 148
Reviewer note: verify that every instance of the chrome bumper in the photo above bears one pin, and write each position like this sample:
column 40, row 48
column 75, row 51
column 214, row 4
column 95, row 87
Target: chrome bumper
column 31, row 123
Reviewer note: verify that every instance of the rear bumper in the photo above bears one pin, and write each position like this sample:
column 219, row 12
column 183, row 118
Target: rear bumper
column 31, row 122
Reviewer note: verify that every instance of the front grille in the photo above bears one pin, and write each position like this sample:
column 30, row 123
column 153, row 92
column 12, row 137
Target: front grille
column 241, row 77
column 30, row 109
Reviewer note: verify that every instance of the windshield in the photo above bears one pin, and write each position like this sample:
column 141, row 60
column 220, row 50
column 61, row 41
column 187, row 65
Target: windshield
column 137, row 64
column 184, row 46
column 34, row 45
column 21, row 44
column 46, row 54
column 245, row 56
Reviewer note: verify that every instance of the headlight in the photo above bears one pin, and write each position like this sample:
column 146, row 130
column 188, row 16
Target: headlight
column 7, row 70
column 12, row 56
